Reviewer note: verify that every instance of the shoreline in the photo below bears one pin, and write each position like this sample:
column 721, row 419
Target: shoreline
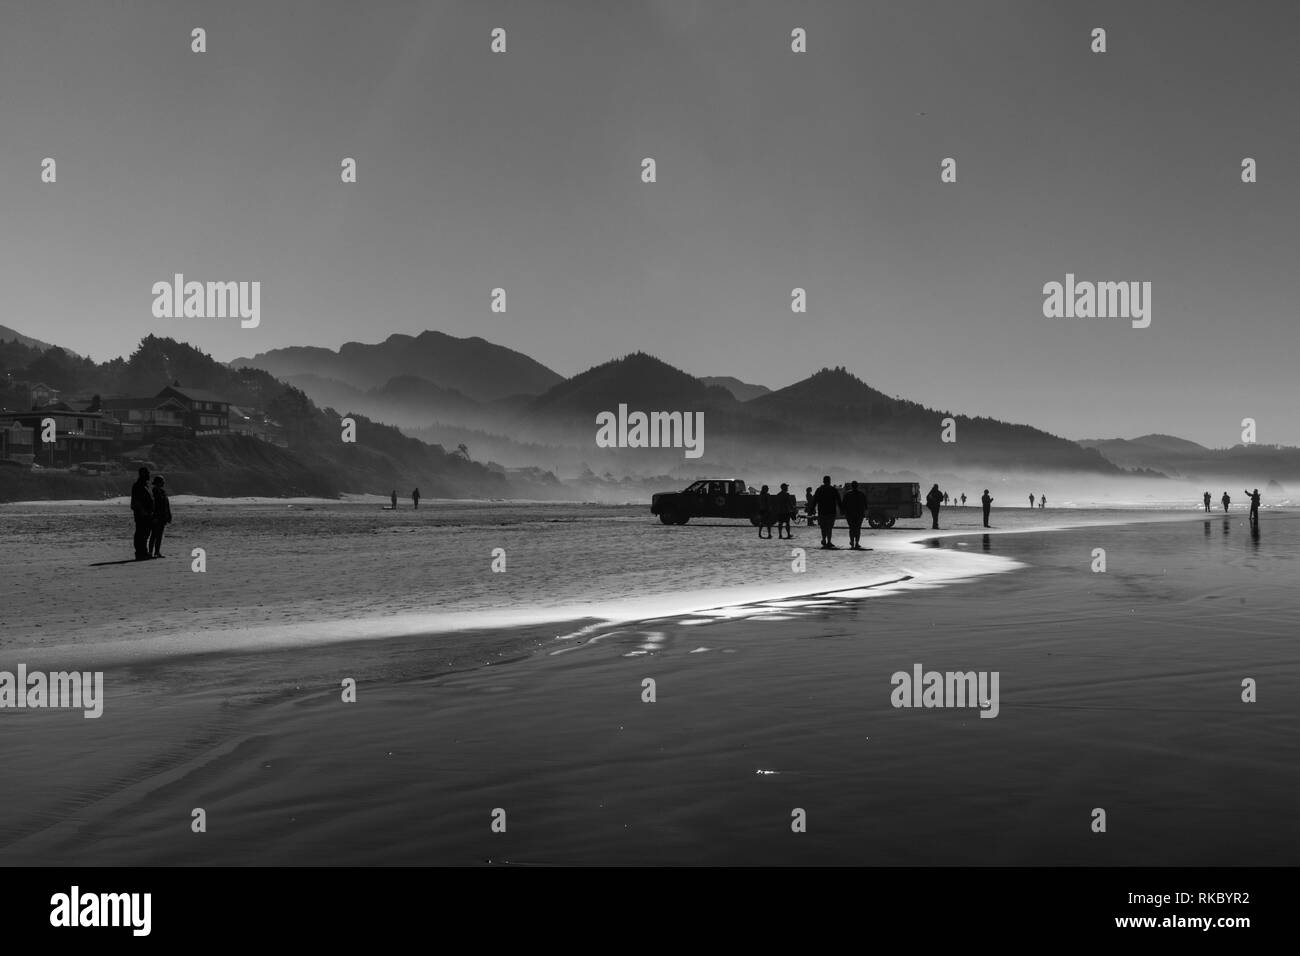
column 457, row 627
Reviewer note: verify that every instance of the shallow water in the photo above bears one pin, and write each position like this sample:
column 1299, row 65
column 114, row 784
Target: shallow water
column 1119, row 690
column 285, row 575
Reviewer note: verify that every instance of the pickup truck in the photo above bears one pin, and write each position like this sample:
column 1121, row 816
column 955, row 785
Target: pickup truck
column 709, row 498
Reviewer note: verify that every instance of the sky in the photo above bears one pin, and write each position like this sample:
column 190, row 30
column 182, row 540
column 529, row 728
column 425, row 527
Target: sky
column 775, row 170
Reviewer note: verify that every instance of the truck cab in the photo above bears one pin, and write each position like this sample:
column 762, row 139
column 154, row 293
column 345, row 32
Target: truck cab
column 706, row 498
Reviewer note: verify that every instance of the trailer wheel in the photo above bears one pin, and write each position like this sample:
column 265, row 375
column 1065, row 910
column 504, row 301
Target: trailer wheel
column 753, row 519
column 873, row 521
column 889, row 523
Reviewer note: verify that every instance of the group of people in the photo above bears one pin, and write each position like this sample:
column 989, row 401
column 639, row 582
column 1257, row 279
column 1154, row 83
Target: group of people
column 1254, row 503
column 826, row 504
column 1042, row 501
column 778, row 509
column 152, row 512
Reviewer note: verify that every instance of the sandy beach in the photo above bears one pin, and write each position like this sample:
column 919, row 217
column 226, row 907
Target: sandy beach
column 524, row 691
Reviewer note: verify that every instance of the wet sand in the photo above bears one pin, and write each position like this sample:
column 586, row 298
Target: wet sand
column 1118, row 690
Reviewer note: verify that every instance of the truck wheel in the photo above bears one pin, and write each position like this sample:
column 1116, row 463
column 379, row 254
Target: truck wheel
column 889, row 523
column 668, row 516
column 753, row 519
column 682, row 519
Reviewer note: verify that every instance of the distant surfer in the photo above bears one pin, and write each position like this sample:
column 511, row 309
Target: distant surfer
column 1207, row 502
column 827, row 503
column 764, row 513
column 1226, row 501
column 142, row 510
column 162, row 516
column 1254, row 505
column 855, row 510
column 987, row 502
column 932, row 501
column 415, row 497
column 784, row 512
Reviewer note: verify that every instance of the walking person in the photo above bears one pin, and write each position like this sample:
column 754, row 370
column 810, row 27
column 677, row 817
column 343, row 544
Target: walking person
column 809, row 505
column 855, row 510
column 1226, row 501
column 1042, row 502
column 1031, row 501
column 932, row 501
column 142, row 511
column 963, row 499
column 827, row 503
column 1207, row 502
column 415, row 497
column 1254, row 505
column 394, row 497
column 784, row 512
column 162, row 516
column 987, row 502
column 764, row 513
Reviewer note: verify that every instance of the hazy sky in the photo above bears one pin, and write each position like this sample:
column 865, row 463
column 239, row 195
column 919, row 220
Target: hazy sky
column 775, row 170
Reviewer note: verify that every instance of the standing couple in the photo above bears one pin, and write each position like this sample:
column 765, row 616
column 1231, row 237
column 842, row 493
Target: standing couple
column 828, row 502
column 152, row 512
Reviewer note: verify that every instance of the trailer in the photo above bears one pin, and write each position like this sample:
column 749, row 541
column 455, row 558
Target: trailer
column 887, row 501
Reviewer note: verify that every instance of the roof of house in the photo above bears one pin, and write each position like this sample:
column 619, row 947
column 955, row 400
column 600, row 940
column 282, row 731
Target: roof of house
column 194, row 394
column 154, row 402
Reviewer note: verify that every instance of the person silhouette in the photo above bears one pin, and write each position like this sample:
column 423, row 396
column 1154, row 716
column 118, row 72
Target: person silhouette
column 1042, row 502
column 764, row 513
column 1031, row 501
column 394, row 499
column 987, row 503
column 827, row 502
column 142, row 511
column 932, row 501
column 1207, row 502
column 162, row 516
column 809, row 505
column 784, row 512
column 963, row 499
column 415, row 497
column 855, row 509
column 1254, row 505
column 1226, row 501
